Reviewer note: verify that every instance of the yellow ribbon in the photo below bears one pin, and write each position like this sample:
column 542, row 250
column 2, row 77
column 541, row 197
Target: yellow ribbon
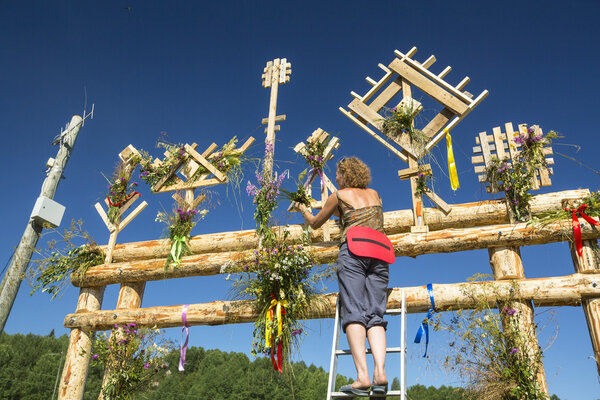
column 278, row 304
column 451, row 164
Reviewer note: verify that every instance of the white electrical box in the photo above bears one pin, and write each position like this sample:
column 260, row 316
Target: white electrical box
column 47, row 211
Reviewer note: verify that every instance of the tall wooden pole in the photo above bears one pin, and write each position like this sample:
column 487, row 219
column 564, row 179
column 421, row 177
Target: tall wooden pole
column 20, row 262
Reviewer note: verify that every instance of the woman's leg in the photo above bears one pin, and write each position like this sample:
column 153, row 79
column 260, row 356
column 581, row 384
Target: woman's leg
column 377, row 342
column 356, row 334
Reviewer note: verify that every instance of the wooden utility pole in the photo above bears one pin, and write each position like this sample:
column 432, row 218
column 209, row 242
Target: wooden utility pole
column 20, row 262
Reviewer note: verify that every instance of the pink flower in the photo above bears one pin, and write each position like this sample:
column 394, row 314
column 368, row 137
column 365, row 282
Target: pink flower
column 147, row 365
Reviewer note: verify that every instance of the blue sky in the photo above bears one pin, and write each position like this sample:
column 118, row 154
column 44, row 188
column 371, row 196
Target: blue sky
column 193, row 70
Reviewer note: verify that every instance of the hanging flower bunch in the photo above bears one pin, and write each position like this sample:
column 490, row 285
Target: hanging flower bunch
column 152, row 173
column 120, row 190
column 314, row 155
column 265, row 197
column 400, row 120
column 180, row 223
column 423, row 182
column 280, row 283
column 133, row 360
column 515, row 178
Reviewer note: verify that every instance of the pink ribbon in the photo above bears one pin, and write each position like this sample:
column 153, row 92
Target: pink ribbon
column 187, row 338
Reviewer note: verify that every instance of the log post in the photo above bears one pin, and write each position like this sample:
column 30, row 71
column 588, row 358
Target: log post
column 75, row 370
column 588, row 263
column 506, row 264
column 130, row 296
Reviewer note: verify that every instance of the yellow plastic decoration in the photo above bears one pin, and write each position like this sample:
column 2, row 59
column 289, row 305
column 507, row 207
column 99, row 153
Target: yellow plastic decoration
column 451, row 164
column 278, row 304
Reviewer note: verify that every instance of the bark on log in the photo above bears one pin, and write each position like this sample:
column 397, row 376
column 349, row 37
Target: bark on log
column 405, row 244
column 588, row 264
column 568, row 290
column 75, row 370
column 506, row 264
column 461, row 216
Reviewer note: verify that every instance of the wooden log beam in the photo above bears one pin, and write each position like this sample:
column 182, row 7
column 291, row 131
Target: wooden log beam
column 405, row 244
column 568, row 290
column 461, row 216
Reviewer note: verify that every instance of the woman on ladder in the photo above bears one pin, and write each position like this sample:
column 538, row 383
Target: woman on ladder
column 362, row 274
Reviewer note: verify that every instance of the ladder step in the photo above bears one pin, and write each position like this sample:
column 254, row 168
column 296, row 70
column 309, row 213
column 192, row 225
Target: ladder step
column 390, row 393
column 388, row 350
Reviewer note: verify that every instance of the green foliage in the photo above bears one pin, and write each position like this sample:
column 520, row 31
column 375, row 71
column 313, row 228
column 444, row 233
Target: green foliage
column 51, row 271
column 282, row 284
column 492, row 350
column 400, row 121
column 120, row 189
column 301, row 194
column 30, row 363
column 423, row 182
column 133, row 360
column 313, row 153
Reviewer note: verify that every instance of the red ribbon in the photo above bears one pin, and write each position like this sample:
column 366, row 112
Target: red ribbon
column 122, row 201
column 577, row 227
column 276, row 363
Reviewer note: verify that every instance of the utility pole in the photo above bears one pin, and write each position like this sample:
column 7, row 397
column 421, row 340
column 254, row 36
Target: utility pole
column 20, row 262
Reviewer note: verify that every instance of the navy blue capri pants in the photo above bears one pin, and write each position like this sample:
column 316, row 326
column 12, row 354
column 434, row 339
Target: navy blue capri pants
column 363, row 285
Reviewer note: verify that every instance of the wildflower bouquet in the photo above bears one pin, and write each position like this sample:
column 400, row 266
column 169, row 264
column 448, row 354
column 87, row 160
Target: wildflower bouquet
column 516, row 179
column 51, row 271
column 314, row 155
column 399, row 121
column 180, row 223
column 279, row 281
column 133, row 361
column 265, row 197
column 492, row 350
column 120, row 190
column 301, row 194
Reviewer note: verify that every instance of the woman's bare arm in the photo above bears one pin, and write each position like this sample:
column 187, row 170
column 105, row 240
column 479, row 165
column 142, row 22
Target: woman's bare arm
column 329, row 209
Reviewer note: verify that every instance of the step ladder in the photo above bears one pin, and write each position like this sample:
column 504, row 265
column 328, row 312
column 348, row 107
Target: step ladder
column 335, row 352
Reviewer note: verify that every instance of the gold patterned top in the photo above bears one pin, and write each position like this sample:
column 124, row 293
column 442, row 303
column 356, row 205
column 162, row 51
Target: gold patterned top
column 371, row 217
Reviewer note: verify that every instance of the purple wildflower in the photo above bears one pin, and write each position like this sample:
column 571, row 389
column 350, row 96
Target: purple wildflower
column 147, row 365
column 514, row 350
column 296, row 332
column 95, row 356
column 509, row 311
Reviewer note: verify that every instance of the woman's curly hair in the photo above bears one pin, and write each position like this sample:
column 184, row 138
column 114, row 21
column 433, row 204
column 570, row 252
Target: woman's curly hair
column 354, row 172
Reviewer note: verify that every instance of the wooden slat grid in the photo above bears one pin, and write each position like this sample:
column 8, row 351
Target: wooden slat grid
column 186, row 169
column 365, row 110
column 501, row 145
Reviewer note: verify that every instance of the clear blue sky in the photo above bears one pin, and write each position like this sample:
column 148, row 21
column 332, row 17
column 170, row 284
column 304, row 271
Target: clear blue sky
column 193, row 69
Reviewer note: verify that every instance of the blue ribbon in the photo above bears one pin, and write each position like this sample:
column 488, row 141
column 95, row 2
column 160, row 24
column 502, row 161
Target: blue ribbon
column 424, row 328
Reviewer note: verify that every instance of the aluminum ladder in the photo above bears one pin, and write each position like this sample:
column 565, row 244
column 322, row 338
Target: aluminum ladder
column 335, row 352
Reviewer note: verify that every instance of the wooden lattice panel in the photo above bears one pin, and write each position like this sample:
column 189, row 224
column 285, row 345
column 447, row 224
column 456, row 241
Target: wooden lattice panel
column 188, row 168
column 402, row 73
column 502, row 145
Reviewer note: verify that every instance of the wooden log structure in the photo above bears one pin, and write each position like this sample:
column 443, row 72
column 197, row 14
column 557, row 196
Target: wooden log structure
column 570, row 290
column 405, row 244
column 461, row 216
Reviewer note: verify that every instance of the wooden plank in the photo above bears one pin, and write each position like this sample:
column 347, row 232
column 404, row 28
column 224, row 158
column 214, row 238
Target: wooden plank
column 132, row 215
column 497, row 137
column 429, row 62
column 245, row 146
column 463, row 83
column 198, row 157
column 410, row 172
column 386, row 95
column 172, row 172
column 379, row 84
column 437, row 200
column 512, row 146
column 485, row 148
column 477, row 159
column 434, row 78
column 445, row 72
column 440, row 135
column 191, row 185
column 278, row 118
column 371, row 116
column 437, row 123
column 428, row 86
column 103, row 216
column 371, row 81
column 128, row 203
column 399, row 154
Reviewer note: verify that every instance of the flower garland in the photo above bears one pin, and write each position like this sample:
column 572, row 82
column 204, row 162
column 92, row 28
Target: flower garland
column 314, row 156
column 120, row 190
column 398, row 121
column 132, row 358
column 180, row 223
column 423, row 181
